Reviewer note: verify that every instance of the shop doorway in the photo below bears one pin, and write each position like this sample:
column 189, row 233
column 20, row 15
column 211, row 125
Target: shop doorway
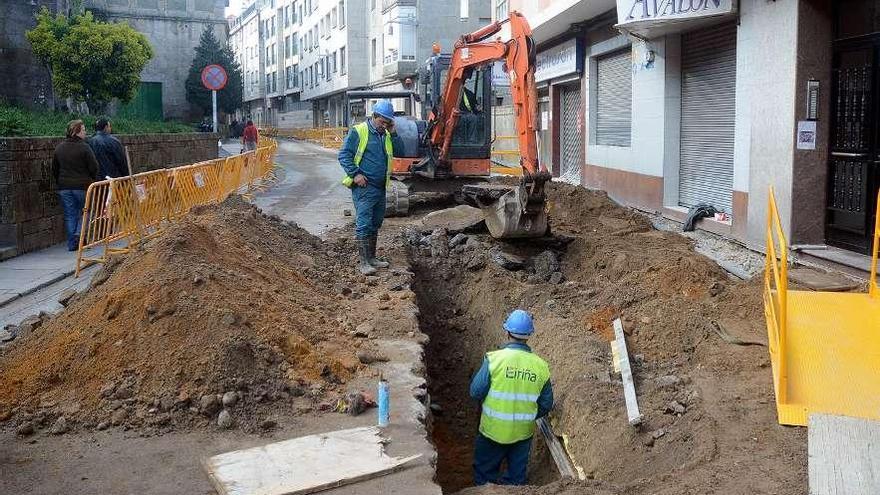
column 571, row 133
column 854, row 159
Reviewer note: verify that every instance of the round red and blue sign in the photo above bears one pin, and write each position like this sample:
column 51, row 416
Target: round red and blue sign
column 214, row 77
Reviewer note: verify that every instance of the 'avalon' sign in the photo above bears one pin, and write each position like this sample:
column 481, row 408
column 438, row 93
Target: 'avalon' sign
column 640, row 12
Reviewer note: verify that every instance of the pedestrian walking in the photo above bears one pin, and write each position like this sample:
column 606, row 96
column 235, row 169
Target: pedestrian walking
column 513, row 388
column 250, row 136
column 74, row 167
column 366, row 157
column 108, row 151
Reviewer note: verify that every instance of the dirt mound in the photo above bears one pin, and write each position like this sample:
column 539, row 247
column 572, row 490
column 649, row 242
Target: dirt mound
column 227, row 308
column 708, row 405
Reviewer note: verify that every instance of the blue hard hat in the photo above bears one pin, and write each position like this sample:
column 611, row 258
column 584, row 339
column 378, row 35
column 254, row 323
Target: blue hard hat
column 519, row 324
column 384, row 108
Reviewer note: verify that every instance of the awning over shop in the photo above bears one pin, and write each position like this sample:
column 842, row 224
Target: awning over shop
column 653, row 18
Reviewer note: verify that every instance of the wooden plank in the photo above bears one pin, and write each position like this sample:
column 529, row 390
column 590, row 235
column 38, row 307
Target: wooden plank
column 844, row 455
column 303, row 465
column 629, row 388
column 556, row 450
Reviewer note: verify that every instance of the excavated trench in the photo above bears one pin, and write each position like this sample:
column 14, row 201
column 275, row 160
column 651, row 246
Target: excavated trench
column 463, row 321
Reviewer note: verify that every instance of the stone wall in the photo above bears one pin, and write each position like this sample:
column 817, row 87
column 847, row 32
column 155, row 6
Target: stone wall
column 173, row 28
column 25, row 81
column 30, row 213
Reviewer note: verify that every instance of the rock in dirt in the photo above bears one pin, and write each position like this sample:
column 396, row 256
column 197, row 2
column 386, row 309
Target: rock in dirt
column 99, row 278
column 118, row 417
column 29, row 325
column 103, row 425
column 454, row 220
column 439, row 243
column 458, row 239
column 545, row 264
column 369, row 357
column 506, row 260
column 224, row 420
column 667, row 381
column 25, row 429
column 66, row 296
column 268, row 424
column 230, row 399
column 478, row 262
column 675, row 407
column 6, row 336
column 60, row 427
column 363, row 330
column 209, row 405
column 556, row 278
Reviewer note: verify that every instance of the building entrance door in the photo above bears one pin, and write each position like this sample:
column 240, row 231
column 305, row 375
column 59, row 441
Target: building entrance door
column 854, row 159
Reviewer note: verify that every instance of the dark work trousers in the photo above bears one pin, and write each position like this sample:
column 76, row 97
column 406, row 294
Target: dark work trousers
column 369, row 207
column 488, row 455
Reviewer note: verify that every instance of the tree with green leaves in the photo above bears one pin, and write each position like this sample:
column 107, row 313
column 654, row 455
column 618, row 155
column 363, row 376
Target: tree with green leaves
column 89, row 60
column 211, row 51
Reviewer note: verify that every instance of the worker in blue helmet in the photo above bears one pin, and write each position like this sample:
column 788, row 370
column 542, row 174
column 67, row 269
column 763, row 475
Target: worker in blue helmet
column 366, row 157
column 513, row 388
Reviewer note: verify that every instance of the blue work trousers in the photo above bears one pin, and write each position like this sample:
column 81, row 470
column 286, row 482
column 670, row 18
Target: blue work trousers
column 488, row 456
column 73, row 201
column 369, row 206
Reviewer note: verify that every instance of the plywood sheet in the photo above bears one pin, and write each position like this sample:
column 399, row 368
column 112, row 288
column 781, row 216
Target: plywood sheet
column 303, row 465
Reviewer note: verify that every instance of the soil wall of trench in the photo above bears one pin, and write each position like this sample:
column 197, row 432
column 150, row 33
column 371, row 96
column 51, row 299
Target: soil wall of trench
column 710, row 423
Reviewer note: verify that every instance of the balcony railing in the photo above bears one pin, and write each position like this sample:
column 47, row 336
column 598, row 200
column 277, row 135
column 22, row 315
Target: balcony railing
column 388, row 4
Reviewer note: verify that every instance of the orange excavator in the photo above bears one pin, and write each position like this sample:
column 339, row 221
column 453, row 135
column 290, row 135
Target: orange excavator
column 450, row 147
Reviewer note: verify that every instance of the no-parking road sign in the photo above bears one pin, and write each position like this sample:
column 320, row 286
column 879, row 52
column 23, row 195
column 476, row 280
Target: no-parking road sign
column 214, row 77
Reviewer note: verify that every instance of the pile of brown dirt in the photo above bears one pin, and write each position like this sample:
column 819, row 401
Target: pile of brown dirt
column 226, row 301
column 709, row 414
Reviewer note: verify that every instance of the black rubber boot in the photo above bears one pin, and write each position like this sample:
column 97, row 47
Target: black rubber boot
column 364, row 266
column 376, row 262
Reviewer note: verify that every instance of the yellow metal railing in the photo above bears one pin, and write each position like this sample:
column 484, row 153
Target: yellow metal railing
column 873, row 288
column 775, row 294
column 328, row 137
column 120, row 213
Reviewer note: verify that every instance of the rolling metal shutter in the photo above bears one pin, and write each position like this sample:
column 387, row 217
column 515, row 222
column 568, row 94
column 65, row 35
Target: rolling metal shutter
column 572, row 139
column 708, row 100
column 614, row 99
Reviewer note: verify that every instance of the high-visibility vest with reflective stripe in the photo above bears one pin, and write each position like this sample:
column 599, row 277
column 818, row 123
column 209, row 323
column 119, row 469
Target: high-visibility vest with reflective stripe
column 511, row 407
column 363, row 136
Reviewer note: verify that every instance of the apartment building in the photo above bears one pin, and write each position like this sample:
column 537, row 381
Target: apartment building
column 667, row 105
column 401, row 34
column 265, row 38
column 333, row 55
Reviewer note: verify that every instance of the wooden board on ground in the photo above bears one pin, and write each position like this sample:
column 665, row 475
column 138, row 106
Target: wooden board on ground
column 304, row 465
column 844, row 455
column 629, row 388
column 821, row 281
column 557, row 451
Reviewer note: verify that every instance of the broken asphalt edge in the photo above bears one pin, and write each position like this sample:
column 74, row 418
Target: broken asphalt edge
column 42, row 285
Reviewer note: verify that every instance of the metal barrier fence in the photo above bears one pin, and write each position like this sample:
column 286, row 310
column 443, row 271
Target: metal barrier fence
column 120, row 213
column 328, row 137
column 776, row 295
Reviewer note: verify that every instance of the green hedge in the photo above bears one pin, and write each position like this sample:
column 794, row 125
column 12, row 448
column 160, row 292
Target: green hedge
column 15, row 121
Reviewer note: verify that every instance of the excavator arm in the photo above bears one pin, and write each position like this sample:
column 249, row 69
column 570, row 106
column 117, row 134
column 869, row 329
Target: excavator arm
column 472, row 50
column 521, row 210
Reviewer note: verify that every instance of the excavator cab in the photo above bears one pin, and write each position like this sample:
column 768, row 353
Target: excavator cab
column 472, row 136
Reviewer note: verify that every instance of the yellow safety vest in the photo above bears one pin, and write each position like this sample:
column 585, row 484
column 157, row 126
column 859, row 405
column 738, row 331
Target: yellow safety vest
column 511, row 406
column 466, row 101
column 363, row 136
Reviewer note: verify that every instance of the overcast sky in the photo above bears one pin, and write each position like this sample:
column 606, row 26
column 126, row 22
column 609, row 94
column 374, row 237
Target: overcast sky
column 234, row 7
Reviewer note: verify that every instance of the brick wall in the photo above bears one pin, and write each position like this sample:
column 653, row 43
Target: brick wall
column 30, row 212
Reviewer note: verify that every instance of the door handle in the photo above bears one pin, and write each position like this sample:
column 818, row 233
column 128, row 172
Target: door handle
column 848, row 155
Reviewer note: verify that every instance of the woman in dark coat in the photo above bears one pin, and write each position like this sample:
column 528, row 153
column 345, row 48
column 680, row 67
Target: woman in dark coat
column 74, row 167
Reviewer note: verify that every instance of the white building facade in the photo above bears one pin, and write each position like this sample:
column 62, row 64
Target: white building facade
column 668, row 105
column 265, row 38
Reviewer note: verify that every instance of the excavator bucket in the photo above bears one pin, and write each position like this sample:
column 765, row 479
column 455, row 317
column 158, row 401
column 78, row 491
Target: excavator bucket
column 511, row 212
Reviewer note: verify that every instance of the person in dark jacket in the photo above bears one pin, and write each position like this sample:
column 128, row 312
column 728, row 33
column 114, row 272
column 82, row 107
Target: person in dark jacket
column 74, row 167
column 108, row 150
